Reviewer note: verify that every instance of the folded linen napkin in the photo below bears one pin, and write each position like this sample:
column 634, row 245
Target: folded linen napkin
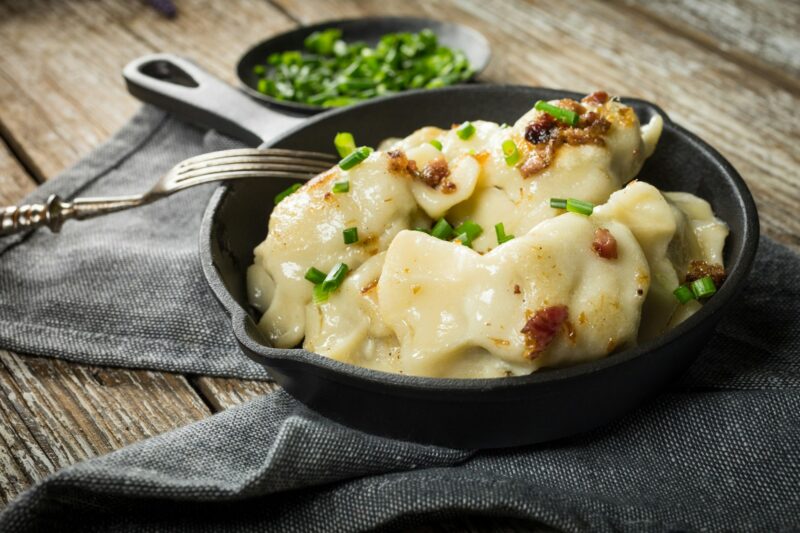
column 719, row 451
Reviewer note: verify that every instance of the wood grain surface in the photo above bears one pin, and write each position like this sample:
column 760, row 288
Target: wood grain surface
column 728, row 71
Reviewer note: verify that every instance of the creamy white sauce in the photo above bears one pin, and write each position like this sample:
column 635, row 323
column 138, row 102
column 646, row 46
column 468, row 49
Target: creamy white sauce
column 418, row 305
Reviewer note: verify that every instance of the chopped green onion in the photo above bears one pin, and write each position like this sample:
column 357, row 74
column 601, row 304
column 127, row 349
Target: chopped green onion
column 442, row 230
column 579, row 206
column 335, row 277
column 315, row 276
column 466, row 131
column 469, row 228
column 330, row 71
column 558, row 203
column 436, row 144
column 500, row 231
column 350, row 235
column 344, row 143
column 703, row 287
column 510, row 152
column 355, row 157
column 341, row 186
column 559, row 113
column 683, row 294
column 283, row 194
column 320, row 294
column 504, row 125
column 423, row 230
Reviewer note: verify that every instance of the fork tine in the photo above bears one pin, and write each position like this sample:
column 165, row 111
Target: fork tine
column 276, row 160
column 253, row 152
column 307, row 171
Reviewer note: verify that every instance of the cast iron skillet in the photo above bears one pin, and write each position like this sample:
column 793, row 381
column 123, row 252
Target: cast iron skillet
column 480, row 413
column 369, row 30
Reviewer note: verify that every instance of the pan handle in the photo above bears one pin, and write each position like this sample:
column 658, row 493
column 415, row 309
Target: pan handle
column 178, row 86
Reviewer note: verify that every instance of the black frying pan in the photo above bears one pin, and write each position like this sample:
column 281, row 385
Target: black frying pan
column 369, row 30
column 480, row 413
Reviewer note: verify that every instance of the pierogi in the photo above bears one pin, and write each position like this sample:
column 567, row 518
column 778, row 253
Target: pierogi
column 428, row 288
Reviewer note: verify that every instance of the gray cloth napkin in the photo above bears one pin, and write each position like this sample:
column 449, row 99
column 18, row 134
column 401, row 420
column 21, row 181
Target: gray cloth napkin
column 719, row 451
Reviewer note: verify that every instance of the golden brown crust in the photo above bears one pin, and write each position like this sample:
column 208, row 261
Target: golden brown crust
column 546, row 135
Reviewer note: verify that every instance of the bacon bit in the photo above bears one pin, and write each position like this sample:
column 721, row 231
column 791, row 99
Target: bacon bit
column 597, row 97
column 547, row 134
column 701, row 269
column 517, row 289
column 541, row 130
column 398, row 161
column 572, row 105
column 435, row 171
column 537, row 161
column 541, row 329
column 412, row 168
column 604, row 244
column 369, row 286
column 328, row 196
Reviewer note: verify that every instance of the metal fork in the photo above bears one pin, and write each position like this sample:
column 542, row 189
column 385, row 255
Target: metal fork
column 214, row 166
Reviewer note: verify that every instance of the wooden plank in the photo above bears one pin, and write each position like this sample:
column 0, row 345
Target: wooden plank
column 62, row 94
column 586, row 45
column 749, row 31
column 53, row 414
column 14, row 181
column 222, row 393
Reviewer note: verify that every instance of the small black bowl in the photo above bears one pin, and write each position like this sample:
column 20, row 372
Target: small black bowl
column 369, row 30
column 475, row 413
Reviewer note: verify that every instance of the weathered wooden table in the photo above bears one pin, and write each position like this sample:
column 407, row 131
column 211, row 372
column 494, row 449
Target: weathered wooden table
column 727, row 70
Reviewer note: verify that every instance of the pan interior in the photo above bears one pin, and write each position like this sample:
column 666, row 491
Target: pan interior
column 239, row 216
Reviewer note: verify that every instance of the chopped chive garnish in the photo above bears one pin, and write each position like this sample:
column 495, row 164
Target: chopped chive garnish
column 315, row 276
column 469, row 228
column 703, row 287
column 579, row 206
column 558, row 203
column 344, row 143
column 500, row 231
column 510, row 152
column 341, row 186
column 355, row 157
column 329, row 71
column 423, row 230
column 283, row 194
column 442, row 230
column 466, row 131
column 559, row 113
column 350, row 235
column 436, row 144
column 335, row 277
column 504, row 125
column 683, row 294
column 320, row 294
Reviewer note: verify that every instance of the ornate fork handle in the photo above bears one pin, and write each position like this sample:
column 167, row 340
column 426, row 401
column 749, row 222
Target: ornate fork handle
column 55, row 211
